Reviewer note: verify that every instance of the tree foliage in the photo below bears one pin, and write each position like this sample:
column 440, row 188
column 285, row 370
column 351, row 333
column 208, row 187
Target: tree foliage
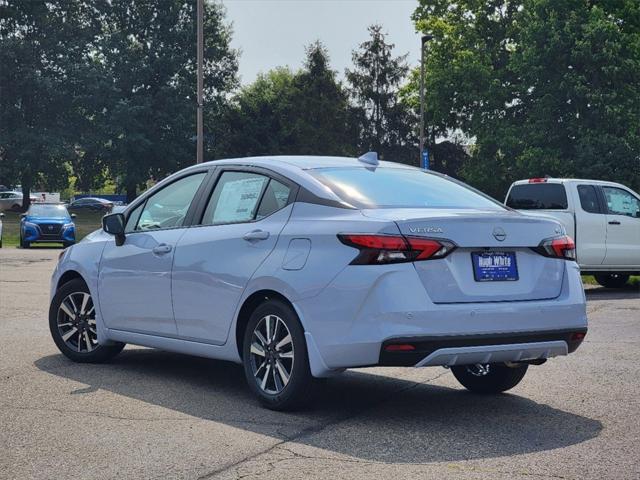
column 290, row 113
column 384, row 123
column 544, row 87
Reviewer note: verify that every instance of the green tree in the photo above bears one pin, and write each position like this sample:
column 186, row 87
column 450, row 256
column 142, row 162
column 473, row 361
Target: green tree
column 144, row 107
column 385, row 124
column 41, row 44
column 544, row 87
column 286, row 113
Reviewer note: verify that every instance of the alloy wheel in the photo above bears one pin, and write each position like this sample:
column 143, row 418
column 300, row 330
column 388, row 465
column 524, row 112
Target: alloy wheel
column 76, row 322
column 272, row 354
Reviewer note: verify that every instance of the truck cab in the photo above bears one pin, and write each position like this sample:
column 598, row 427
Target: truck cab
column 602, row 217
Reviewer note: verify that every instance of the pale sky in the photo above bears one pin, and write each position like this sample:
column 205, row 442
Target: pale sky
column 273, row 33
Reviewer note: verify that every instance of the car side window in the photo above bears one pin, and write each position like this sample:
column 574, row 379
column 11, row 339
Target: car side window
column 235, row 198
column 589, row 198
column 621, row 202
column 132, row 221
column 168, row 207
column 276, row 196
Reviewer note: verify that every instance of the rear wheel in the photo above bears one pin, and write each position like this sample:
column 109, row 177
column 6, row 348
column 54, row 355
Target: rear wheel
column 612, row 280
column 489, row 377
column 275, row 358
column 72, row 322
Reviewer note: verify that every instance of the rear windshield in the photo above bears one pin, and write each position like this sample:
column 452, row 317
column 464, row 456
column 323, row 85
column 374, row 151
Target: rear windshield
column 538, row 196
column 399, row 187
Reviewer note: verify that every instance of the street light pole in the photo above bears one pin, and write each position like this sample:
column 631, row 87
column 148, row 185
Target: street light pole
column 200, row 54
column 424, row 40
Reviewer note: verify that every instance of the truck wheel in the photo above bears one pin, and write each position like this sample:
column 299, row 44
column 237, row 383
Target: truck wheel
column 490, row 377
column 612, row 280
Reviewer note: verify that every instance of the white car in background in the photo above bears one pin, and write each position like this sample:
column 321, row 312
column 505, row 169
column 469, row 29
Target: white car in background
column 12, row 200
column 603, row 218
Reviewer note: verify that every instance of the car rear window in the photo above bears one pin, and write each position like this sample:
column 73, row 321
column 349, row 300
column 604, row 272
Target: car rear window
column 538, row 196
column 400, row 187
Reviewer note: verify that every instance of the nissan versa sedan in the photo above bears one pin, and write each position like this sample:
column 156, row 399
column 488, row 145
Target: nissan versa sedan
column 47, row 223
column 301, row 267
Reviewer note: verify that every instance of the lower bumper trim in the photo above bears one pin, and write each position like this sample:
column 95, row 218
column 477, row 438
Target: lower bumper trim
column 441, row 350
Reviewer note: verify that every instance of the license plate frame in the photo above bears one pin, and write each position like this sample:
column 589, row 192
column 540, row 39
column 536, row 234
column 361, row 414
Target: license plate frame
column 496, row 266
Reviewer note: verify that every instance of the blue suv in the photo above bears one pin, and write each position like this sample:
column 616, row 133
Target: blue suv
column 47, row 223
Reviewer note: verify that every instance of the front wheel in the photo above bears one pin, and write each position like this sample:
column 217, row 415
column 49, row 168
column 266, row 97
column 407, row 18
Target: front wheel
column 23, row 243
column 612, row 280
column 489, row 377
column 275, row 358
column 72, row 322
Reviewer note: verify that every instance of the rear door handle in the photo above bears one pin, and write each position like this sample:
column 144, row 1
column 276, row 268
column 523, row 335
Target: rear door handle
column 614, row 222
column 161, row 249
column 256, row 235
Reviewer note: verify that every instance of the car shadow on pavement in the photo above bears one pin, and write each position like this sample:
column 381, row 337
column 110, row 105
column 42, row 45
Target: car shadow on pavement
column 363, row 415
column 601, row 293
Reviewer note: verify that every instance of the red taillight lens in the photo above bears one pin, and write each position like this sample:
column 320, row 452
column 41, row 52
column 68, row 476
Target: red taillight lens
column 537, row 180
column 382, row 249
column 558, row 247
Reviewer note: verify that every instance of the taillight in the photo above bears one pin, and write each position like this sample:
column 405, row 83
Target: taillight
column 382, row 249
column 537, row 180
column 558, row 247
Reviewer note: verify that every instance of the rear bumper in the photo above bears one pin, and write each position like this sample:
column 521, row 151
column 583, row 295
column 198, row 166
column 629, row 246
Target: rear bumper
column 470, row 349
column 355, row 317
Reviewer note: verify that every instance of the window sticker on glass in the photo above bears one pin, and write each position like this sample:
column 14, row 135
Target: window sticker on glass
column 238, row 200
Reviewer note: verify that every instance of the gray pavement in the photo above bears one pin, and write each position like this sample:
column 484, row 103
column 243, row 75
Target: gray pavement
column 151, row 414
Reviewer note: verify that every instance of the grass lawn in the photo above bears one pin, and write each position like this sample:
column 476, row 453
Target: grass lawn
column 85, row 223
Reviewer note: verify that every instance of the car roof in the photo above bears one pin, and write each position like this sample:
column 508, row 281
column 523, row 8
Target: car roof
column 303, row 162
column 569, row 180
column 296, row 167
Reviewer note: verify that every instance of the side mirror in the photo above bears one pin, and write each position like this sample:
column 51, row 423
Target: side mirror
column 1, row 215
column 73, row 215
column 114, row 224
column 22, row 215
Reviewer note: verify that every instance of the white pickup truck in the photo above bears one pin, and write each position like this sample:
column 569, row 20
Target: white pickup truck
column 603, row 218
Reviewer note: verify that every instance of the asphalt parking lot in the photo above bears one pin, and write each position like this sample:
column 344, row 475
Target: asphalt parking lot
column 151, row 414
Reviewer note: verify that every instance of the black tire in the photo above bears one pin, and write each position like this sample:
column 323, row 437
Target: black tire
column 296, row 390
column 82, row 354
column 612, row 280
column 498, row 379
column 24, row 244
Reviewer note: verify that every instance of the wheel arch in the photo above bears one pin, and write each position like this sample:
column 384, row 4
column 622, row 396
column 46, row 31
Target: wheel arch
column 249, row 305
column 67, row 276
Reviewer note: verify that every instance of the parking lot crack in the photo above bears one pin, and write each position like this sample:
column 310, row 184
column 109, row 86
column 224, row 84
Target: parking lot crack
column 312, row 430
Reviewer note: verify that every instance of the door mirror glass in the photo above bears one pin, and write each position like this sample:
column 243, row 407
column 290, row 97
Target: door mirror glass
column 113, row 224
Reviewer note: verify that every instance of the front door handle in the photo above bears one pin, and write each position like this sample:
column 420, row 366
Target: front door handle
column 256, row 235
column 161, row 249
column 614, row 222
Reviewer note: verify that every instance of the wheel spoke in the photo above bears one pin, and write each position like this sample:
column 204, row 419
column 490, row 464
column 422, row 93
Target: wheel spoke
column 259, row 336
column 267, row 322
column 69, row 334
column 285, row 341
column 257, row 350
column 85, row 299
column 79, row 341
column 87, row 341
column 73, row 304
column 263, row 385
column 65, row 324
column 284, row 375
column 91, row 321
column 276, row 329
column 277, row 382
column 67, row 311
column 91, row 310
column 286, row 354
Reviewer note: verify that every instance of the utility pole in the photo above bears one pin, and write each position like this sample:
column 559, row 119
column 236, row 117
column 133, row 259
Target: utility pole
column 200, row 47
column 424, row 40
